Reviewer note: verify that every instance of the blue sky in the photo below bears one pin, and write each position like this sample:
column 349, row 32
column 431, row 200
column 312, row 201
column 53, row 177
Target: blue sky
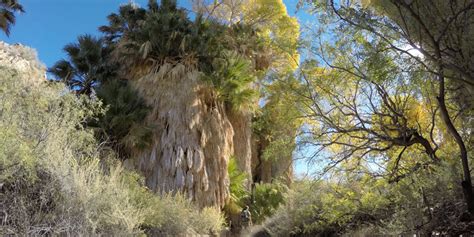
column 48, row 25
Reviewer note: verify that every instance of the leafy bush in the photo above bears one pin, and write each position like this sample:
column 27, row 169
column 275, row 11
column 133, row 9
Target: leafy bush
column 175, row 214
column 263, row 200
column 52, row 179
column 238, row 180
column 357, row 205
column 267, row 197
column 320, row 208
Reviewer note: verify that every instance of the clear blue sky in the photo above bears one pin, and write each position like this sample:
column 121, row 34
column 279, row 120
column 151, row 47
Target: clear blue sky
column 48, row 25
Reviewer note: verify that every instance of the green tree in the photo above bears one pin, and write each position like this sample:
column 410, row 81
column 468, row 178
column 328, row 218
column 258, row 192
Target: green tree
column 8, row 8
column 278, row 31
column 406, row 27
column 276, row 127
column 145, row 39
column 88, row 71
column 86, row 66
column 275, row 56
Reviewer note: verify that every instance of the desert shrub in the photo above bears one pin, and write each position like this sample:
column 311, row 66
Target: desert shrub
column 420, row 208
column 52, row 180
column 361, row 205
column 301, row 209
column 174, row 214
column 322, row 208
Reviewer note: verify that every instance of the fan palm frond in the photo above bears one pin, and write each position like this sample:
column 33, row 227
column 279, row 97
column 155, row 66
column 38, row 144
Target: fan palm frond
column 8, row 8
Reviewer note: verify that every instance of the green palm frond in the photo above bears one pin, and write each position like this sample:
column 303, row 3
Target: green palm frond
column 232, row 77
column 122, row 123
column 238, row 179
column 88, row 69
column 86, row 66
column 63, row 70
column 8, row 8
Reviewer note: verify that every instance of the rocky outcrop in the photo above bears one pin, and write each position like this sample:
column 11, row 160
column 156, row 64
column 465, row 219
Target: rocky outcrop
column 24, row 60
column 193, row 138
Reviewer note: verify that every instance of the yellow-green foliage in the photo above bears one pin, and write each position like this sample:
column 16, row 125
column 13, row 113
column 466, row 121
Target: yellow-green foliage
column 55, row 179
column 326, row 208
column 276, row 28
column 175, row 214
column 354, row 204
column 267, row 197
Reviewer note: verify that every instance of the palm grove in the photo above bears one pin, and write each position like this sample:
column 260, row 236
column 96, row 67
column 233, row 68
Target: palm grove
column 208, row 112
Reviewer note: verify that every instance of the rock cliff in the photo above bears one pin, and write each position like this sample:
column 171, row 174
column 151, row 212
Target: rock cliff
column 24, row 60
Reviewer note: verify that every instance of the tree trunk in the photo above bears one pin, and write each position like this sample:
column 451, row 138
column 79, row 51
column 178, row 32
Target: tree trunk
column 242, row 141
column 265, row 171
column 192, row 137
column 466, row 183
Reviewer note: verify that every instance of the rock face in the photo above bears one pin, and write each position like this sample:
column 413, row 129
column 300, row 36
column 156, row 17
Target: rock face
column 24, row 60
column 193, row 138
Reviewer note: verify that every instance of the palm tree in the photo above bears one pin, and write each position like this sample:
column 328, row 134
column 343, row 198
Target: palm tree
column 7, row 14
column 86, row 66
column 150, row 34
column 146, row 38
column 88, row 69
